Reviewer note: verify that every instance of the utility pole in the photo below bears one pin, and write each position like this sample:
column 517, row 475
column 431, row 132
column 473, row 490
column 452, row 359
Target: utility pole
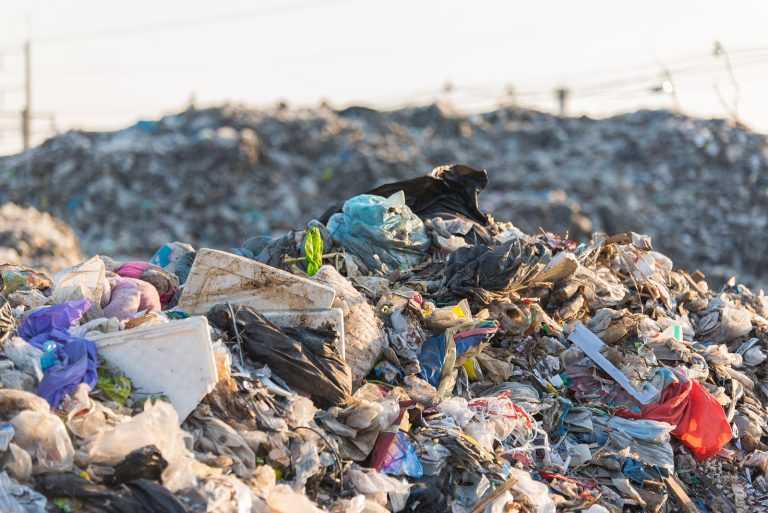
column 27, row 112
column 562, row 98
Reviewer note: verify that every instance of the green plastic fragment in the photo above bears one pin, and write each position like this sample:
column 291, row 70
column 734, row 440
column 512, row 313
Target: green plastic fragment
column 117, row 387
column 313, row 247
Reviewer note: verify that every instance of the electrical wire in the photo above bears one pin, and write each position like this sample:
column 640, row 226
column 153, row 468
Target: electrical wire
column 191, row 22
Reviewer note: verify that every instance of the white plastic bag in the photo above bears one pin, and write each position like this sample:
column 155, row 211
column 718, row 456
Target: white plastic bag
column 370, row 482
column 44, row 436
column 536, row 492
column 158, row 425
column 83, row 281
column 24, row 356
column 17, row 498
column 282, row 499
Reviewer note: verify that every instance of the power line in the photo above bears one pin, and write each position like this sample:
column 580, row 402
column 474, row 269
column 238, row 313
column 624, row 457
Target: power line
column 191, row 22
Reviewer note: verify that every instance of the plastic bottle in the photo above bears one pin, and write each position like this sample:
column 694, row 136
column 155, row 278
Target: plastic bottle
column 49, row 358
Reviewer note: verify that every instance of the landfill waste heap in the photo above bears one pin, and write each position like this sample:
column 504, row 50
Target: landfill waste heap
column 402, row 352
column 36, row 239
column 213, row 176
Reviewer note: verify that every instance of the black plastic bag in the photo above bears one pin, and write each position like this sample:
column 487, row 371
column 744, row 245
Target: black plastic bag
column 134, row 497
column 486, row 273
column 143, row 463
column 306, row 359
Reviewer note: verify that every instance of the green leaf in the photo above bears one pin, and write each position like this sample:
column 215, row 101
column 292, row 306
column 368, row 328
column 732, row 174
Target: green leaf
column 313, row 247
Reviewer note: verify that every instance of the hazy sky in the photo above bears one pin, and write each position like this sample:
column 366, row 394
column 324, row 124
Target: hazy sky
column 103, row 65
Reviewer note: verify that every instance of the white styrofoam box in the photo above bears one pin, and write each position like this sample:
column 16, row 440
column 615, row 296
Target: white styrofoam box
column 174, row 359
column 221, row 277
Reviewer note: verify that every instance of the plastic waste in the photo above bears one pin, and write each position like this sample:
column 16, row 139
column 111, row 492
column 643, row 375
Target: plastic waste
column 227, row 494
column 486, row 273
column 86, row 417
column 174, row 257
column 313, row 247
column 49, row 358
column 143, row 463
column 363, row 336
column 16, row 401
column 77, row 363
column 448, row 194
column 440, row 356
column 647, row 440
column 401, row 458
column 18, row 463
column 592, row 346
column 18, row 278
column 44, row 436
column 215, row 436
column 537, row 493
column 53, row 322
column 24, row 356
column 700, row 421
column 17, row 498
column 6, row 434
column 12, row 378
column 370, row 482
column 157, row 425
column 305, row 358
column 380, row 230
column 139, row 496
column 316, row 318
column 282, row 499
column 83, row 281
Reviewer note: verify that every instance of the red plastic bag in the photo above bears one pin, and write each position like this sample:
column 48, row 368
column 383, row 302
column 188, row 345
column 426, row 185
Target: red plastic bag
column 699, row 419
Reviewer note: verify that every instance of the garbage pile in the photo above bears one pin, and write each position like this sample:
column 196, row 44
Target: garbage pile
column 36, row 239
column 214, row 176
column 405, row 352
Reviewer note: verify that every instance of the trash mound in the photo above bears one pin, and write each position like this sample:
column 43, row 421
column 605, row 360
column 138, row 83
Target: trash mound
column 405, row 353
column 214, row 176
column 36, row 239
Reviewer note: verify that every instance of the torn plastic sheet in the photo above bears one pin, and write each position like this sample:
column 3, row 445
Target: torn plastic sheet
column 591, row 345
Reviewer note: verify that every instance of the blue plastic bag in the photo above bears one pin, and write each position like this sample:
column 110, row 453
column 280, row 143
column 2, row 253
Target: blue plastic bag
column 432, row 359
column 372, row 225
column 401, row 458
column 434, row 351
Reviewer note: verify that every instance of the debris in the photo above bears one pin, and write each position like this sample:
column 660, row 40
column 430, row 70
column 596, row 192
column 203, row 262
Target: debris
column 306, row 358
column 219, row 277
column 592, row 346
column 460, row 365
column 36, row 239
column 174, row 360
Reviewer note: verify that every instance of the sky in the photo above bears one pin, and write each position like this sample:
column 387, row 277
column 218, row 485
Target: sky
column 99, row 65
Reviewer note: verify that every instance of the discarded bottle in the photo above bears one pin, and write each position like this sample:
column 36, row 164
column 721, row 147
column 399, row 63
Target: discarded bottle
column 49, row 358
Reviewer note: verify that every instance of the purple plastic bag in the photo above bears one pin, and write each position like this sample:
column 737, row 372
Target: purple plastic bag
column 79, row 361
column 78, row 357
column 53, row 322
